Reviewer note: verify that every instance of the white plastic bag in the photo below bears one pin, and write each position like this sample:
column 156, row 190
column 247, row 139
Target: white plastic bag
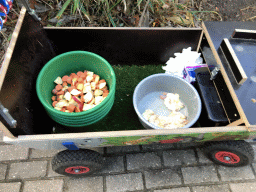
column 177, row 65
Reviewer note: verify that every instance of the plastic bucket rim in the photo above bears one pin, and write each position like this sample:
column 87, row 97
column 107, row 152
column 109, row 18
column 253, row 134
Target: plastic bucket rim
column 152, row 126
column 91, row 122
column 50, row 108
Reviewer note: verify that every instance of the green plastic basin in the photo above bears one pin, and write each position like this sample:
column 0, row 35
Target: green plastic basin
column 72, row 62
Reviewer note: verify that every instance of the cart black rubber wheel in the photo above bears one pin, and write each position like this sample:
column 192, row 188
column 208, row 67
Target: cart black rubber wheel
column 79, row 163
column 229, row 153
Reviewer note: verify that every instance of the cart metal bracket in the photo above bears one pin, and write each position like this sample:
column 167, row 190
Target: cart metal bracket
column 4, row 112
column 34, row 15
column 214, row 73
column 29, row 10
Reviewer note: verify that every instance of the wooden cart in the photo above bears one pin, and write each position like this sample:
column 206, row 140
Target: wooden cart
column 226, row 87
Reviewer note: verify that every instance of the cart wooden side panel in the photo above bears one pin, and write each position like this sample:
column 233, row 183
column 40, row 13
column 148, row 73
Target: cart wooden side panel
column 7, row 60
column 138, row 137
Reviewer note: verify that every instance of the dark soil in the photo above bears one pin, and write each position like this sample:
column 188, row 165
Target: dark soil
column 232, row 10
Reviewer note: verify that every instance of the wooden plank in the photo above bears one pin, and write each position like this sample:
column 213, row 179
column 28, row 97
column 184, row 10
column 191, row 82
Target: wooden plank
column 233, row 61
column 5, row 131
column 123, row 138
column 6, row 62
column 225, row 76
column 200, row 40
column 252, row 129
column 11, row 46
column 244, row 34
column 236, row 123
column 252, row 132
column 134, row 133
column 127, row 28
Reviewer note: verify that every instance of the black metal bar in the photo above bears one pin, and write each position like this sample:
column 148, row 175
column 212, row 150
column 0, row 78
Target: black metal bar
column 244, row 34
column 4, row 112
column 233, row 61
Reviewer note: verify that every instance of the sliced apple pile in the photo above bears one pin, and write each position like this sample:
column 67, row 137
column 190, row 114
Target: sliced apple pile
column 78, row 92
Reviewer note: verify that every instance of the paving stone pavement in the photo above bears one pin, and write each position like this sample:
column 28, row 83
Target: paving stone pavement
column 147, row 168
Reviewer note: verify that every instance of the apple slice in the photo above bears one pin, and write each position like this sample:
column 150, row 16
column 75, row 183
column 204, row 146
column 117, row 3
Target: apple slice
column 74, row 80
column 63, row 109
column 90, row 73
column 98, row 99
column 67, row 96
column 102, row 81
column 89, row 78
column 77, row 109
column 87, row 88
column 76, row 99
column 98, row 92
column 80, row 86
column 93, row 85
column 105, row 94
column 71, row 108
column 87, row 107
column 80, row 106
column 61, row 103
column 92, row 101
column 58, row 108
column 65, row 88
column 58, row 81
column 102, row 85
column 96, row 79
column 88, row 97
column 59, row 97
column 105, row 88
column 75, row 92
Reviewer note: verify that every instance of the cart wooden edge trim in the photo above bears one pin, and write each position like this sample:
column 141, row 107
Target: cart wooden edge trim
column 200, row 40
column 5, row 131
column 128, row 28
column 252, row 131
column 236, row 123
column 7, row 59
column 128, row 133
column 225, row 76
column 11, row 46
column 245, row 32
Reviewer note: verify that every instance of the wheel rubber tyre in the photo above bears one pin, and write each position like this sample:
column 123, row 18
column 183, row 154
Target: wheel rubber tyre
column 77, row 163
column 229, row 153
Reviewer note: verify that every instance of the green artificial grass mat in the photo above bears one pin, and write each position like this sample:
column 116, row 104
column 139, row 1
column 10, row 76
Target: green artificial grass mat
column 122, row 115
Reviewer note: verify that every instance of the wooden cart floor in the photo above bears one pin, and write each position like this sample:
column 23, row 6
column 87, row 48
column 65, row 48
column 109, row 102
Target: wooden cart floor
column 122, row 115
